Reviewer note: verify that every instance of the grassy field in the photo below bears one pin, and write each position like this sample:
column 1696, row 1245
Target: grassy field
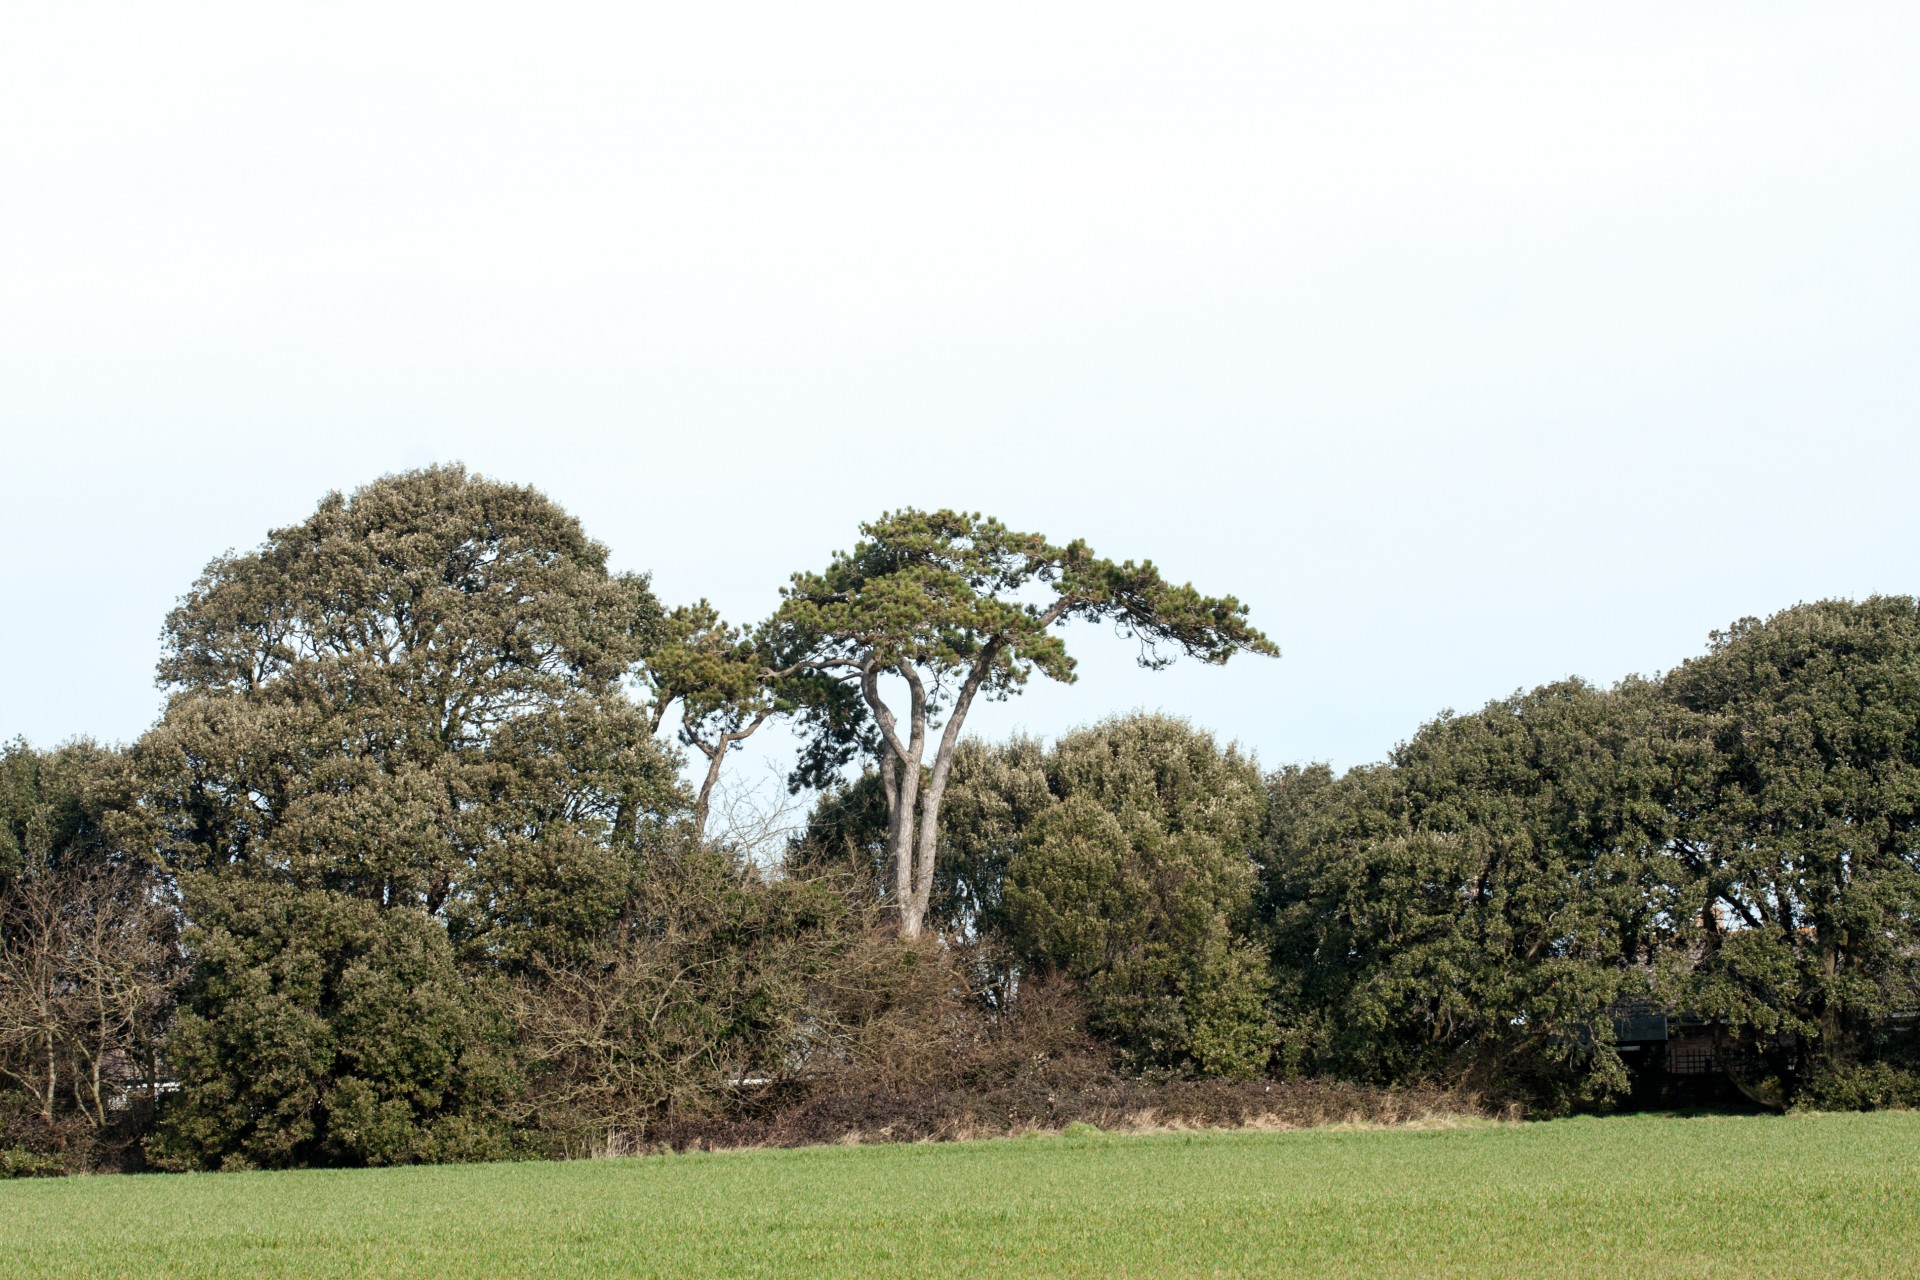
column 1639, row 1196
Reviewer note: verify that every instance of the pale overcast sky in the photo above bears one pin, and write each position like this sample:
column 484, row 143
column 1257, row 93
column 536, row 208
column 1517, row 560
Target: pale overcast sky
column 1473, row 345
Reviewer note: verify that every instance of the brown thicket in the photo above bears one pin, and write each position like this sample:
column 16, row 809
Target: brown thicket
column 88, row 972
column 897, row 1045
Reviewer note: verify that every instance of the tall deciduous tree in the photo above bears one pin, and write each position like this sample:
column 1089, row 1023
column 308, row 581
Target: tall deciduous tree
column 954, row 606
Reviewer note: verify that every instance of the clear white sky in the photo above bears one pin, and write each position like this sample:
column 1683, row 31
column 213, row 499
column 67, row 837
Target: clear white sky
column 1474, row 345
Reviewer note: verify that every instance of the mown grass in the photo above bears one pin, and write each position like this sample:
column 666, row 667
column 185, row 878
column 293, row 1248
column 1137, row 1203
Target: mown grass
column 1640, row 1196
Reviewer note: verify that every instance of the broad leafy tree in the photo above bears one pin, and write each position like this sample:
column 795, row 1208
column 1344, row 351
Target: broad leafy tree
column 57, row 807
column 414, row 697
column 397, row 763
column 1474, row 909
column 947, row 607
column 1799, row 846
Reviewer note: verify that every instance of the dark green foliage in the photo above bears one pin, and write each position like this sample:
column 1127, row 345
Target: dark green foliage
column 1118, row 858
column 1474, row 908
column 715, row 676
column 570, row 803
column 1799, row 848
column 1137, row 882
column 845, row 834
column 321, row 1028
column 1000, row 791
column 56, row 807
column 934, row 588
column 1740, row 840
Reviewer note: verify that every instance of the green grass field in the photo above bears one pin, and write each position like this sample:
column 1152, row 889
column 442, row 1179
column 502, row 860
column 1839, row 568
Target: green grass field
column 1640, row 1196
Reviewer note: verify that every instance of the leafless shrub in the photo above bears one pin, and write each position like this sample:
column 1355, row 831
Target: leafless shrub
column 89, row 968
column 908, row 1052
column 618, row 1043
column 695, row 1036
column 754, row 817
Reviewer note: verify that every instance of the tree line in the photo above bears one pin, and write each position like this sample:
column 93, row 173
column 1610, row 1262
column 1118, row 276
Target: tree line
column 407, row 870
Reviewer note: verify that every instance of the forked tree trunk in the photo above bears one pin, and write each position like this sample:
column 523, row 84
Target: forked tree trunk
column 913, row 804
column 716, row 754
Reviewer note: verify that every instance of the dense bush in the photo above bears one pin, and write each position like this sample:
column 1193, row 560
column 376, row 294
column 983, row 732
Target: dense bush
column 720, row 978
column 1119, row 859
column 1739, row 841
column 321, row 1028
column 56, row 807
column 1137, row 882
column 1473, row 909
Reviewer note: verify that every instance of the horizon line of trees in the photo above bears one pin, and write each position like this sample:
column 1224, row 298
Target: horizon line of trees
column 407, row 870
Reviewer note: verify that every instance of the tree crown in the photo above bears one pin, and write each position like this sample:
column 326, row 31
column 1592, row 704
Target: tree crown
column 942, row 590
